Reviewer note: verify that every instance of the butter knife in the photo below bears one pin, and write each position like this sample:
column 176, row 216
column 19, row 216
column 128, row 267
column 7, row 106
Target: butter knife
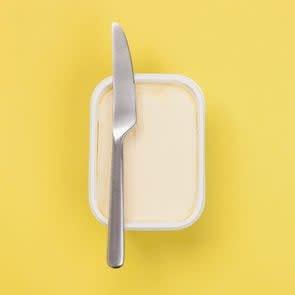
column 124, row 119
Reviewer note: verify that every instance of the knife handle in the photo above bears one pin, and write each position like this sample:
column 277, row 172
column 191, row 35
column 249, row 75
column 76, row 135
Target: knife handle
column 115, row 256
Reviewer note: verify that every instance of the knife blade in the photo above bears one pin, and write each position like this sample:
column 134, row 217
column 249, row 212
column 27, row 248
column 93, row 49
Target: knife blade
column 124, row 107
column 124, row 119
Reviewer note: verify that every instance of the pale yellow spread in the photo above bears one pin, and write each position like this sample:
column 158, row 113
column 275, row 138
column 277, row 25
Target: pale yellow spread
column 160, row 155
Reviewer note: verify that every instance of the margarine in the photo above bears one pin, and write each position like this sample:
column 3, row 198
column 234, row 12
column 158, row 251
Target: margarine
column 160, row 155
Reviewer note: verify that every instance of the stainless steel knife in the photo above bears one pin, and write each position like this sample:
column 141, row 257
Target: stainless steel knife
column 124, row 119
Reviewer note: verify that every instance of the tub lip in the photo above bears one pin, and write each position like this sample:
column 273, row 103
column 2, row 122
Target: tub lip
column 148, row 78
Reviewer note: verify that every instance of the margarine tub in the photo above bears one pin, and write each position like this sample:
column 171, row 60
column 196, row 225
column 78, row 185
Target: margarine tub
column 163, row 155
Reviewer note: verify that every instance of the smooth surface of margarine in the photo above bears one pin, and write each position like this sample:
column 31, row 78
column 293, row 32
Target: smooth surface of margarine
column 160, row 155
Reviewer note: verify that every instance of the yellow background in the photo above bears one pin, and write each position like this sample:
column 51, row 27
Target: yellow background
column 53, row 53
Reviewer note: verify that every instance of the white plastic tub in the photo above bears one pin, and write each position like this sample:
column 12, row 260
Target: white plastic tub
column 163, row 156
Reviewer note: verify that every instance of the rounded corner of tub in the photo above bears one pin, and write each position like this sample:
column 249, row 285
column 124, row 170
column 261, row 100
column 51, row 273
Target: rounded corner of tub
column 195, row 87
column 192, row 219
column 96, row 213
column 99, row 88
column 194, row 216
column 93, row 204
